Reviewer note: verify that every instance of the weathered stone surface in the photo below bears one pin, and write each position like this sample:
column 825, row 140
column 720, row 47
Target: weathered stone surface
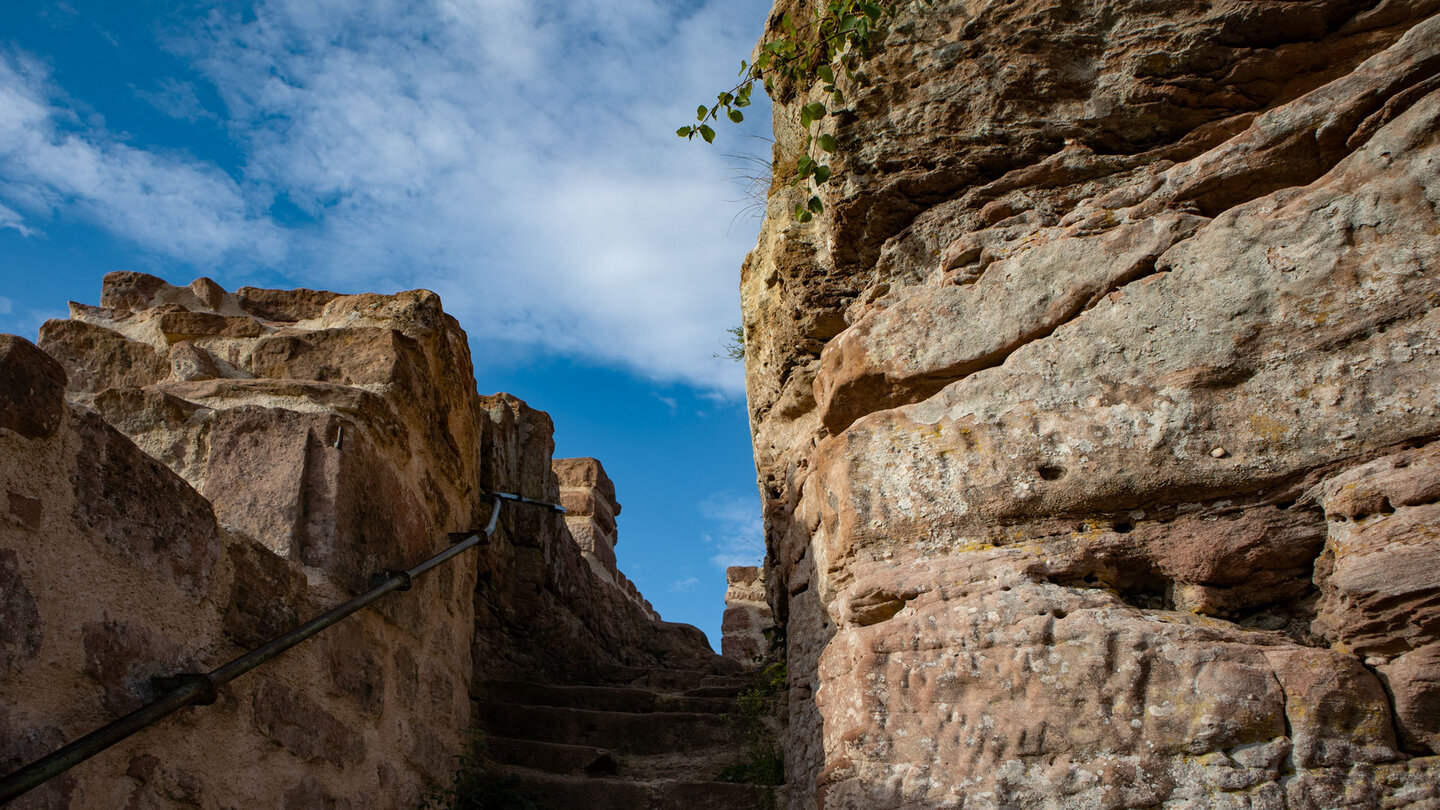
column 1379, row 582
column 588, row 496
column 233, row 464
column 21, row 629
column 747, row 615
column 1091, row 417
column 190, row 363
column 144, row 510
column 265, row 594
column 21, row 742
column 1413, row 680
column 305, row 728
column 32, row 389
column 123, row 656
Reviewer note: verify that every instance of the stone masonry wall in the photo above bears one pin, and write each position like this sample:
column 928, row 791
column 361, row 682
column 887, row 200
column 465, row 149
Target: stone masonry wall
column 747, row 615
column 588, row 496
column 1095, row 417
column 189, row 472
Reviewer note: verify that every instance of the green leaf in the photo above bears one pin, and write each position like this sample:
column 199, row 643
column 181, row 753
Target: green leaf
column 837, row 99
column 872, row 11
column 827, row 142
column 805, row 118
column 816, row 110
column 707, row 133
column 726, row 98
column 804, row 166
column 802, row 214
column 815, row 205
column 684, row 132
column 826, row 74
column 822, row 173
column 701, row 112
column 737, row 116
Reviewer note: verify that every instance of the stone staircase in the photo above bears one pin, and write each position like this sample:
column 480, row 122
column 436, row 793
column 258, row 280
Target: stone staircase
column 640, row 740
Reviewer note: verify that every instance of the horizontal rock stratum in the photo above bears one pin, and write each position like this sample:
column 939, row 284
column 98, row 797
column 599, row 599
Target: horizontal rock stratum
column 1096, row 416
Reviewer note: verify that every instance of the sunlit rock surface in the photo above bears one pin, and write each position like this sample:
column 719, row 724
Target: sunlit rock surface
column 186, row 472
column 1094, row 416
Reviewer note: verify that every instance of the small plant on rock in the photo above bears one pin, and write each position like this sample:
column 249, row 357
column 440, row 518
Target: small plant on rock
column 759, row 709
column 802, row 55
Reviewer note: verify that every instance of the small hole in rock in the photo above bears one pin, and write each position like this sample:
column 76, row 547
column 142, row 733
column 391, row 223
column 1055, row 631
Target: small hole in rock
column 1049, row 472
column 1060, row 614
column 1122, row 527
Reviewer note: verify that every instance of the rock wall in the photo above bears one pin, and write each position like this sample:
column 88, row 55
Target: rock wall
column 229, row 464
column 747, row 615
column 588, row 496
column 1094, row 417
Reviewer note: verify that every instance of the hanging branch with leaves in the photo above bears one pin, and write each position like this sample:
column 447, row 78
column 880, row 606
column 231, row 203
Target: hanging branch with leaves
column 841, row 33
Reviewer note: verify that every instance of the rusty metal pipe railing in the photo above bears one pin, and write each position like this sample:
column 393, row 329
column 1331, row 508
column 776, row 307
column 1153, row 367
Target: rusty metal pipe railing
column 199, row 689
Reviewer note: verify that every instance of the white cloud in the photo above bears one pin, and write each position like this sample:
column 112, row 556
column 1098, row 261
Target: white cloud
column 171, row 204
column 176, row 99
column 5, row 305
column 738, row 534
column 9, row 218
column 516, row 156
column 686, row 585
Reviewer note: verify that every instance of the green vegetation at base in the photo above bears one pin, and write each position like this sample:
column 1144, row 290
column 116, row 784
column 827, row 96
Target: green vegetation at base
column 760, row 709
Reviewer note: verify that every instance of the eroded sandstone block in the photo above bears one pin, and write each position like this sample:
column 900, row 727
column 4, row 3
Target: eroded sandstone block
column 1092, row 417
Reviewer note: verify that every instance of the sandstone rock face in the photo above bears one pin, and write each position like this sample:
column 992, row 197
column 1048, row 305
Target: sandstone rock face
column 1095, row 416
column 229, row 464
column 588, row 496
column 747, row 615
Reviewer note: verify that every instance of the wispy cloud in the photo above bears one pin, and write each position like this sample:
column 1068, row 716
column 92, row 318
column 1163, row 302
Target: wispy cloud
column 5, row 305
column 171, row 204
column 516, row 156
column 9, row 218
column 685, row 585
column 737, row 535
column 177, row 99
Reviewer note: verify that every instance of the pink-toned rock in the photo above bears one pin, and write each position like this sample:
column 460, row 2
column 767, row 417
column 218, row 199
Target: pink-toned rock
column 1413, row 680
column 747, row 615
column 1091, row 416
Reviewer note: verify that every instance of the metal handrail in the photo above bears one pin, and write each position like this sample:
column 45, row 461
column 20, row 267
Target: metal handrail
column 199, row 689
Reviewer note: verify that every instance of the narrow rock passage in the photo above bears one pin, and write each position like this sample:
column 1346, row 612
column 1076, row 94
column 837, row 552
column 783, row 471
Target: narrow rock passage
column 640, row 739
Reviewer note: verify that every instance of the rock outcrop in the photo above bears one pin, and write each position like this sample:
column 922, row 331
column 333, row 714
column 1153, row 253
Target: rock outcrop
column 588, row 496
column 747, row 615
column 187, row 472
column 1094, row 416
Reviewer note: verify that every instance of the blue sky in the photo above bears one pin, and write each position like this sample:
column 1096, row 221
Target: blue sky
column 515, row 156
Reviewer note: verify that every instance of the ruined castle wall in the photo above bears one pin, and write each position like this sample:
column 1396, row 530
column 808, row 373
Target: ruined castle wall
column 747, row 615
column 190, row 472
column 1094, row 416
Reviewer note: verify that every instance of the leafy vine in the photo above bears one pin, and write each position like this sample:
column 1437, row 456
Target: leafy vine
column 802, row 55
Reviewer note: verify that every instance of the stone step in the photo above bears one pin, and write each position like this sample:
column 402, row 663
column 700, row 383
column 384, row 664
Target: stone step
column 608, row 698
column 560, row 758
column 671, row 680
column 565, row 792
column 620, row 732
column 551, row 757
